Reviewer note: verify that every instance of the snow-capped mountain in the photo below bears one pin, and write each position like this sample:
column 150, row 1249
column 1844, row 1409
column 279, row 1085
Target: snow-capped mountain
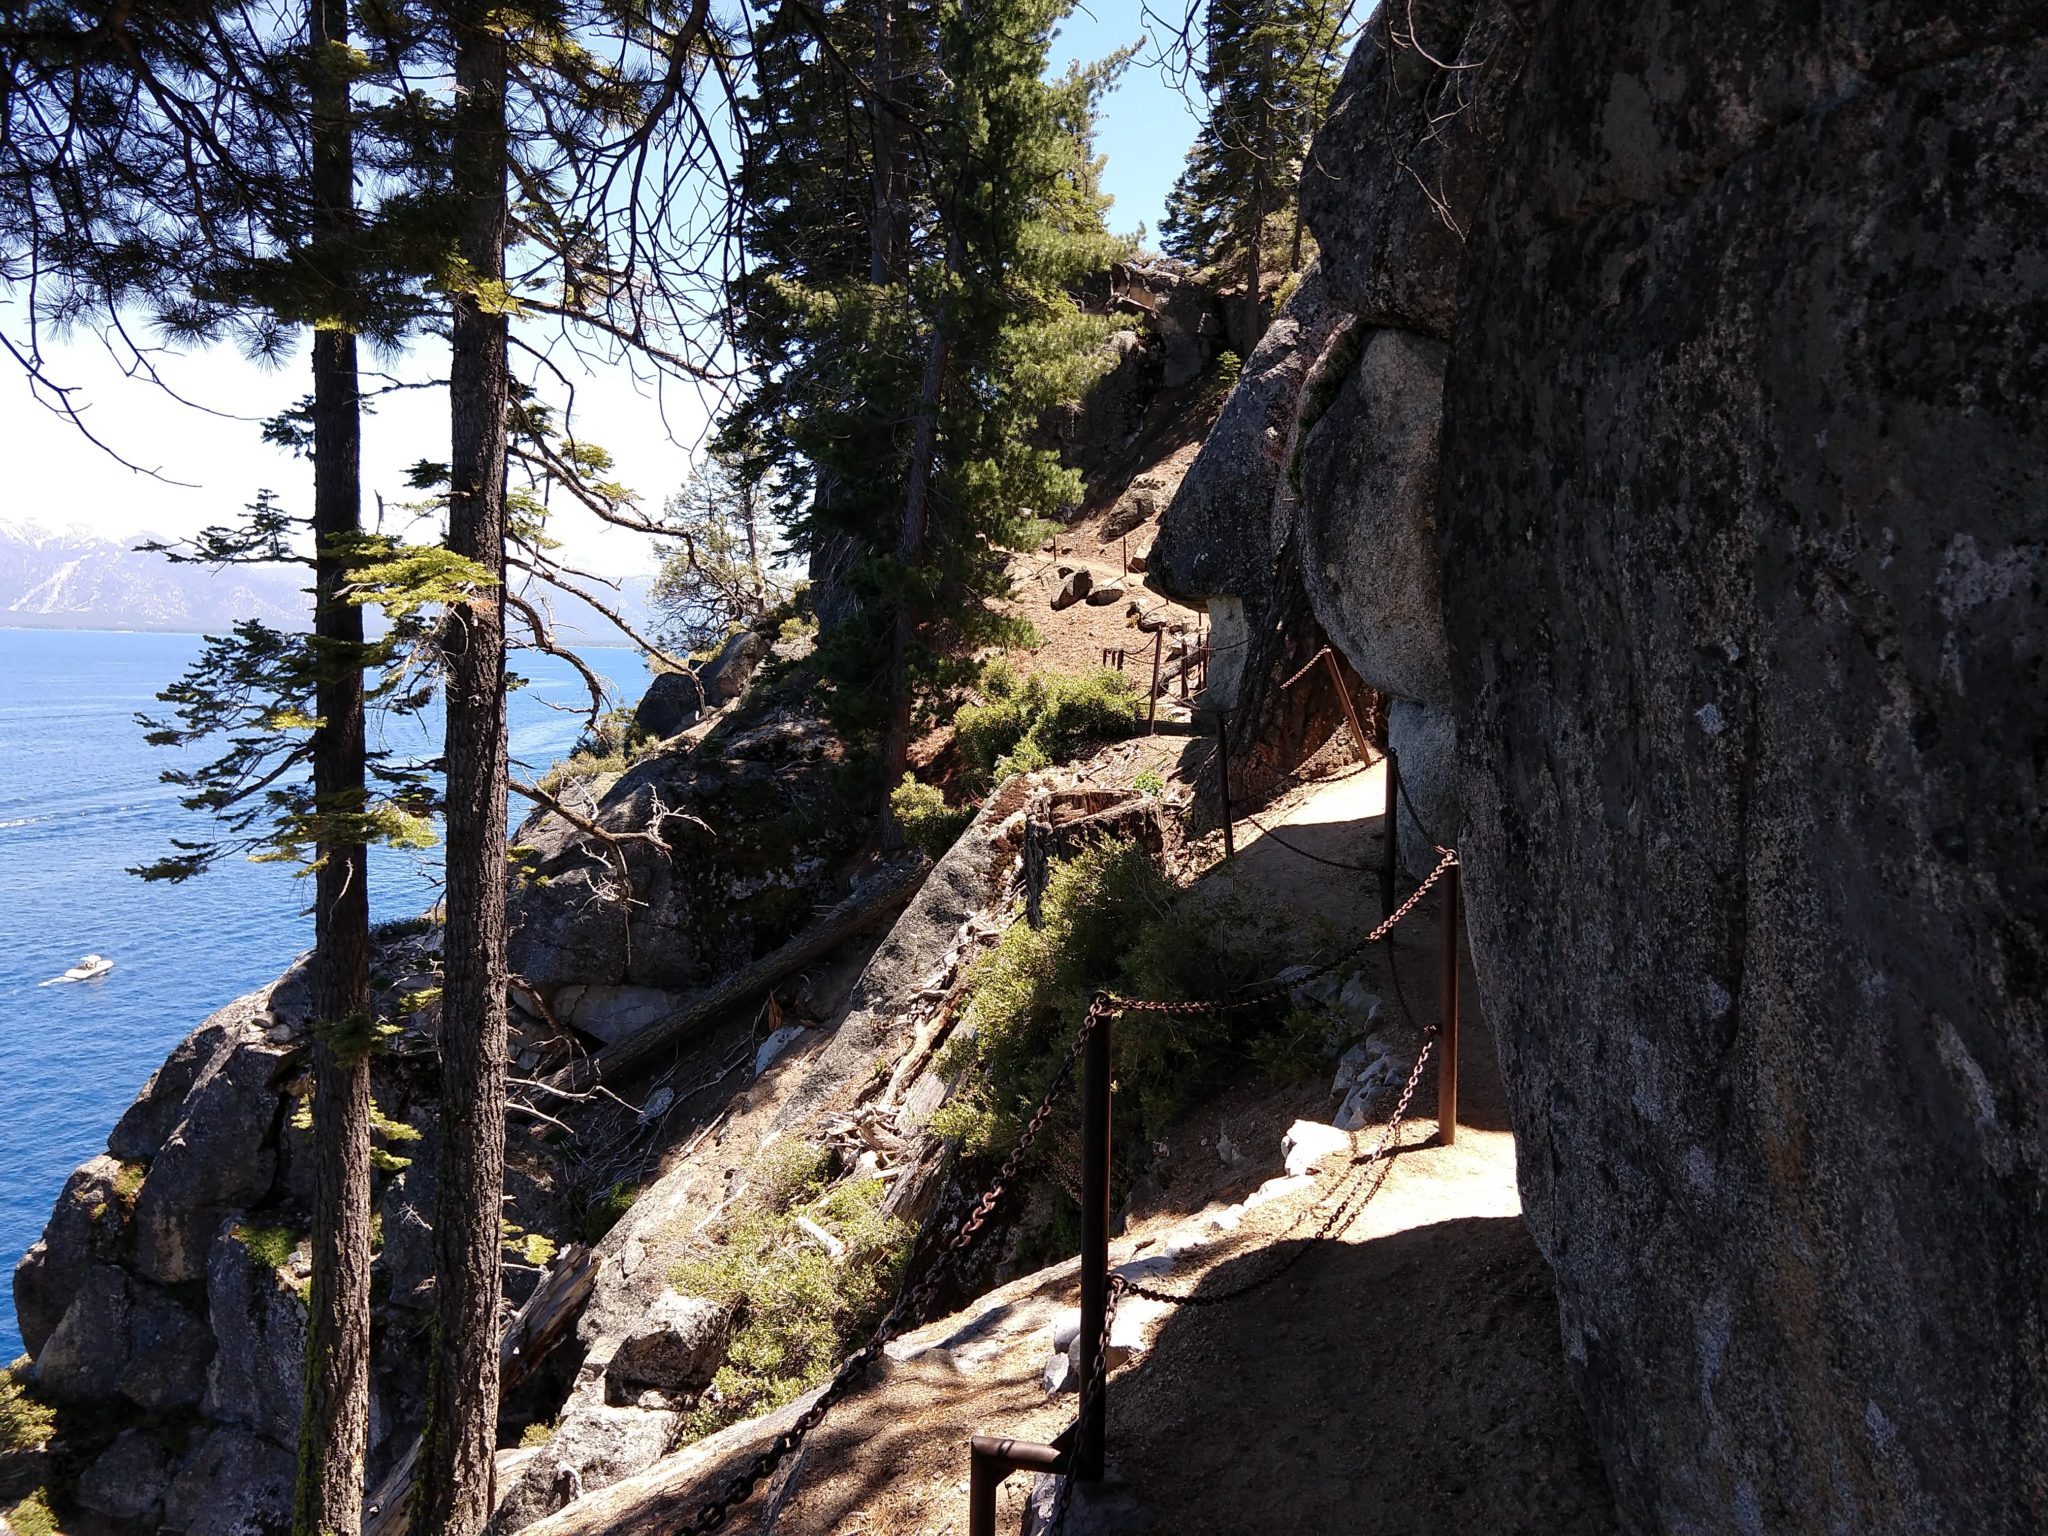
column 77, row 579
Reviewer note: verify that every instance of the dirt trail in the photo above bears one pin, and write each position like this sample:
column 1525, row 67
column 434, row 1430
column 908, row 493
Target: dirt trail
column 1407, row 1378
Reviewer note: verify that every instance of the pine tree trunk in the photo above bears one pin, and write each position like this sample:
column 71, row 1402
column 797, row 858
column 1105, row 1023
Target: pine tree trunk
column 328, row 1499
column 455, row 1494
column 909, row 552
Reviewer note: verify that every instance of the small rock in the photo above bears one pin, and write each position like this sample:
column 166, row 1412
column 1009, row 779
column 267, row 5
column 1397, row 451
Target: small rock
column 1228, row 1151
column 1308, row 1143
column 1102, row 597
column 1229, row 1219
column 774, row 1046
column 1139, row 559
column 1076, row 587
column 657, row 1105
column 678, row 1344
column 1355, row 1000
column 1277, row 1189
column 1058, row 1374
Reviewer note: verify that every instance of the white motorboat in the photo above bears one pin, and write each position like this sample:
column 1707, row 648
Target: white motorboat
column 91, row 968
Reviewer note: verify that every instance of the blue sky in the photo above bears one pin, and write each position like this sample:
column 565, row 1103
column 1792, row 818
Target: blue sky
column 57, row 478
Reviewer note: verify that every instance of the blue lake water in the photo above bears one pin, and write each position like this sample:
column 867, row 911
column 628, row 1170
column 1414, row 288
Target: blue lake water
column 80, row 802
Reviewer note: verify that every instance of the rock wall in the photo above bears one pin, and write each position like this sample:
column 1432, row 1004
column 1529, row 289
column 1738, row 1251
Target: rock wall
column 1745, row 498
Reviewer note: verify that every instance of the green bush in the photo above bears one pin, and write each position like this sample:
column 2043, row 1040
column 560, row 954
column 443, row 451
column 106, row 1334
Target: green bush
column 614, row 743
column 927, row 821
column 33, row 1516
column 1111, row 918
column 1030, row 723
column 1149, row 783
column 26, row 1421
column 799, row 1310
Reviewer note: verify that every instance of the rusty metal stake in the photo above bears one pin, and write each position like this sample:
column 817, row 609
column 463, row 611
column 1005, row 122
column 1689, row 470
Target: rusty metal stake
column 1447, row 1047
column 1337, row 681
column 1390, row 862
column 991, row 1459
column 1152, row 698
column 1223, row 782
column 1095, row 1129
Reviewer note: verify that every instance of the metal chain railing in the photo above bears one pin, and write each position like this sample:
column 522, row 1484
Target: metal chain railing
column 740, row 1487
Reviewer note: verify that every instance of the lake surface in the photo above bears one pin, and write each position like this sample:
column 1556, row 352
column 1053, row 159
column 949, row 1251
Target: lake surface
column 80, row 802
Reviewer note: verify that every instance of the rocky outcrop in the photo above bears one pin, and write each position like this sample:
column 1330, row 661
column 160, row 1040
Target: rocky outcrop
column 1367, row 524
column 1745, row 469
column 752, row 839
column 1216, row 536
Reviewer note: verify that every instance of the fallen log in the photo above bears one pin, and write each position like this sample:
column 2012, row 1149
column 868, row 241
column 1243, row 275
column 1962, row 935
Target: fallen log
column 886, row 892
column 536, row 1328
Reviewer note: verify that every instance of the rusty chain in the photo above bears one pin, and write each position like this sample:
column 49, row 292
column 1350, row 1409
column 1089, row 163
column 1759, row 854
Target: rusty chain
column 740, row 1487
column 1280, row 986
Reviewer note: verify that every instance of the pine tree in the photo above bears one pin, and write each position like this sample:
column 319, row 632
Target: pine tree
column 197, row 165
column 909, row 322
column 1269, row 69
column 720, row 574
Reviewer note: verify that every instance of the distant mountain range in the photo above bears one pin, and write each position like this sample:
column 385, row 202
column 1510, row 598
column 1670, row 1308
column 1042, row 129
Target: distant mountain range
column 77, row 579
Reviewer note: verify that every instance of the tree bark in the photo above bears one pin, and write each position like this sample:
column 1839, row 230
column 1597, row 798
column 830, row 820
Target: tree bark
column 328, row 1498
column 455, row 1494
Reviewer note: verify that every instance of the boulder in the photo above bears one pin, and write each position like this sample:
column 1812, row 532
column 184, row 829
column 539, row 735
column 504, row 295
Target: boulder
column 129, row 1479
column 123, row 1337
column 1072, row 590
column 673, row 702
column 678, row 1345
column 726, row 675
column 1216, row 535
column 1394, row 179
column 236, row 1484
column 85, row 1228
column 259, row 1323
column 1425, row 743
column 221, row 1157
column 1367, row 523
column 1146, row 498
column 612, row 1014
column 1103, row 597
column 594, row 1445
column 712, row 902
column 147, row 1124
column 1745, row 460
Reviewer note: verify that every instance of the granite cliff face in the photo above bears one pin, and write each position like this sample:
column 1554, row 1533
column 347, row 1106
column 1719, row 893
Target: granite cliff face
column 1680, row 470
column 1745, row 498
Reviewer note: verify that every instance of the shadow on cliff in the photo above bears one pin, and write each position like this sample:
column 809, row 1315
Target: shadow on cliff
column 1411, row 1384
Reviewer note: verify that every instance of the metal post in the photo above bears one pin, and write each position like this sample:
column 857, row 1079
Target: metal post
column 1447, row 1045
column 1351, row 714
column 1390, row 863
column 1152, row 698
column 991, row 1459
column 1088, row 1443
column 1223, row 781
